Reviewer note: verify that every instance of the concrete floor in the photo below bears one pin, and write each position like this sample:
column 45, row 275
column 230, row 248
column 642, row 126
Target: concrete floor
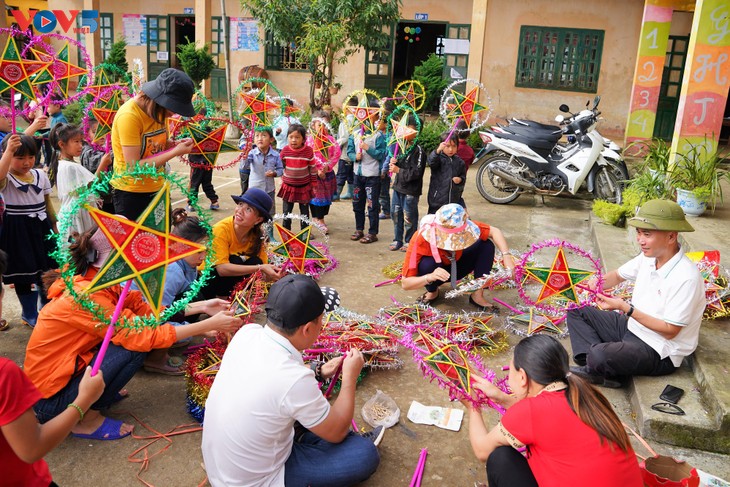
column 159, row 401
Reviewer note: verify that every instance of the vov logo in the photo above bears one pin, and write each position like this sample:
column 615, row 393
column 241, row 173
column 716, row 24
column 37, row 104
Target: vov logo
column 46, row 21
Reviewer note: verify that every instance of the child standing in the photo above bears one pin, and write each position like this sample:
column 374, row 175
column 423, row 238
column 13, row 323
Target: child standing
column 264, row 164
column 367, row 154
column 407, row 188
column 448, row 173
column 55, row 110
column 201, row 174
column 299, row 173
column 325, row 183
column 92, row 158
column 29, row 220
column 344, row 167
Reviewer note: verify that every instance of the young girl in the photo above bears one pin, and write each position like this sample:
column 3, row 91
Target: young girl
column 448, row 174
column 29, row 220
column 299, row 173
column 70, row 176
column 325, row 183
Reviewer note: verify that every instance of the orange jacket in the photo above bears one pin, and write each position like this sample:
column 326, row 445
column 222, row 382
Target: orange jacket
column 67, row 336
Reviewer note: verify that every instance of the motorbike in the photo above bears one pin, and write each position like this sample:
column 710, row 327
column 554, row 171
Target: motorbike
column 529, row 157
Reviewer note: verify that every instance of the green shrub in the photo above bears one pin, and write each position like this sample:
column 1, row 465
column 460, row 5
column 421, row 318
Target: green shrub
column 610, row 213
column 430, row 74
column 118, row 56
column 474, row 141
column 430, row 136
column 74, row 113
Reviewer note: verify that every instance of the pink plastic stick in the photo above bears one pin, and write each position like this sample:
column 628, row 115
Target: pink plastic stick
column 423, row 467
column 12, row 110
column 354, row 426
column 498, row 301
column 389, row 281
column 110, row 328
column 585, row 288
column 333, row 382
column 418, row 473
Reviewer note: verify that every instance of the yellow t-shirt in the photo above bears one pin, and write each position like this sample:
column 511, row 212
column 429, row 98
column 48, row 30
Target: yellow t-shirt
column 133, row 127
column 225, row 243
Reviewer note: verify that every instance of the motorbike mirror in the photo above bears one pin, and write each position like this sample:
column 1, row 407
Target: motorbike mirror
column 564, row 108
column 596, row 101
column 559, row 118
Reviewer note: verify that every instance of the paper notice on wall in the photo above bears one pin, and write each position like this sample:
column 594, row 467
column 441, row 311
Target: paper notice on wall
column 135, row 29
column 456, row 46
column 445, row 418
column 244, row 34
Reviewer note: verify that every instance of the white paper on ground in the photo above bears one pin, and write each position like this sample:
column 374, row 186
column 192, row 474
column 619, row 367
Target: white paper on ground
column 446, row 418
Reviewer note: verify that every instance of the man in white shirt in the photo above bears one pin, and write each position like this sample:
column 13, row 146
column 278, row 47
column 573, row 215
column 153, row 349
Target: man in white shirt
column 263, row 388
column 661, row 324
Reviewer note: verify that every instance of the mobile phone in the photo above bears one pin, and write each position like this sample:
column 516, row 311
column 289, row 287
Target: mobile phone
column 671, row 394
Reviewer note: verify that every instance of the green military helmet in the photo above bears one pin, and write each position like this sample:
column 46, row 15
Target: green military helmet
column 662, row 215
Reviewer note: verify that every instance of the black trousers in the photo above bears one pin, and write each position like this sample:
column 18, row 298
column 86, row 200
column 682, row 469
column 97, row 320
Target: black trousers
column 222, row 286
column 288, row 207
column 508, row 467
column 203, row 177
column 477, row 258
column 129, row 204
column 602, row 340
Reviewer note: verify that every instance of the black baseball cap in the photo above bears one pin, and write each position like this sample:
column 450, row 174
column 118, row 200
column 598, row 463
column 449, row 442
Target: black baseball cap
column 296, row 299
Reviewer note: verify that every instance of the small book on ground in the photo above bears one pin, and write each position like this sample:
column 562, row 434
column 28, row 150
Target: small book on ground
column 446, row 418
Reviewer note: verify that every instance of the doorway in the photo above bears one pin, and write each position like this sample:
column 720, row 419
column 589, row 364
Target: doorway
column 183, row 30
column 414, row 41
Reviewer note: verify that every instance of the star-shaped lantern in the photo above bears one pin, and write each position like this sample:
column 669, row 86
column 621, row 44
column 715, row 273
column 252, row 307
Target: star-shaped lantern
column 210, row 143
column 104, row 113
column 60, row 70
column 411, row 92
column 15, row 71
column 465, row 107
column 322, row 142
column 558, row 280
column 142, row 250
column 447, row 361
column 258, row 107
column 103, row 81
column 401, row 133
column 537, row 321
column 297, row 247
column 366, row 117
column 239, row 305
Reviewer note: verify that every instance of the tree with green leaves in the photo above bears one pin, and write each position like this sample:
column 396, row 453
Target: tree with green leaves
column 198, row 63
column 118, row 56
column 326, row 32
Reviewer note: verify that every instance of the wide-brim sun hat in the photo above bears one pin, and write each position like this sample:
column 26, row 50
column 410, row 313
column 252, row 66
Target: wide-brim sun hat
column 102, row 246
column 257, row 198
column 172, row 89
column 450, row 228
column 661, row 215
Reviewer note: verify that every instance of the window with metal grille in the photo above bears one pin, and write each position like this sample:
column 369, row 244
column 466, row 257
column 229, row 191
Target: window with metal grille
column 216, row 42
column 282, row 57
column 106, row 35
column 559, row 59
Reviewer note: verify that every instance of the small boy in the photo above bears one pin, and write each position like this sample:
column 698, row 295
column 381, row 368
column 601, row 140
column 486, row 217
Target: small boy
column 448, row 174
column 407, row 189
column 465, row 151
column 54, row 110
column 264, row 164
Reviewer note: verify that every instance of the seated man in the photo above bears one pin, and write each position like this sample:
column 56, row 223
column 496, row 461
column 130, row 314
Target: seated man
column 661, row 324
column 263, row 388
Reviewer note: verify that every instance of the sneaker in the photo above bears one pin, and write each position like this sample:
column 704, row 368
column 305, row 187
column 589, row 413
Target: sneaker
column 215, row 206
column 384, row 216
column 375, row 435
column 190, row 209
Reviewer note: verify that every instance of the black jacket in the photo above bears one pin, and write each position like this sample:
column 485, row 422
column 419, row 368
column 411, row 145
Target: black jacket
column 442, row 190
column 409, row 179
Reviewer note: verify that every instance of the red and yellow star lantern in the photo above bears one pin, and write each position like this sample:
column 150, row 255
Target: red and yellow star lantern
column 465, row 107
column 258, row 108
column 59, row 70
column 297, row 248
column 105, row 113
column 15, row 72
column 559, row 280
column 142, row 250
column 366, row 117
column 210, row 143
column 411, row 92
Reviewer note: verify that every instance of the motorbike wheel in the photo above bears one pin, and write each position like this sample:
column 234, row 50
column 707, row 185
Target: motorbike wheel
column 607, row 186
column 619, row 169
column 493, row 188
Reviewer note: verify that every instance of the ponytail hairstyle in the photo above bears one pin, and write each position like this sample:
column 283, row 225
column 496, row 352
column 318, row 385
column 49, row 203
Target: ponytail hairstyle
column 187, row 227
column 545, row 361
column 61, row 132
column 83, row 254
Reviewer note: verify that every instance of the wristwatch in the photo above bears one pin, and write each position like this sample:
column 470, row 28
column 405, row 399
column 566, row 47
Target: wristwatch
column 630, row 311
column 316, row 366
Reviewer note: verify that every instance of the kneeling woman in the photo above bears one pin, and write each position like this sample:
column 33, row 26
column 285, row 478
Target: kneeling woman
column 570, row 433
column 449, row 246
column 239, row 248
column 67, row 337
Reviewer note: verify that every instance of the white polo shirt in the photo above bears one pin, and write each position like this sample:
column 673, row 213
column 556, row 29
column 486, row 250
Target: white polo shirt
column 262, row 388
column 675, row 293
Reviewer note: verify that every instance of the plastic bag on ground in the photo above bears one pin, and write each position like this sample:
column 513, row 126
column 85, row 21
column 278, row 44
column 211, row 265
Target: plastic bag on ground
column 380, row 410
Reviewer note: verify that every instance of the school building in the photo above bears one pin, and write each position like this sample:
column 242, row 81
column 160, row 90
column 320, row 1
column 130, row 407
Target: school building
column 531, row 55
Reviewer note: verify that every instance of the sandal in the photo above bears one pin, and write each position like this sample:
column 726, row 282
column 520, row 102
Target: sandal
column 357, row 235
column 484, row 308
column 109, row 430
column 428, row 302
column 4, row 325
column 369, row 238
column 395, row 245
column 172, row 366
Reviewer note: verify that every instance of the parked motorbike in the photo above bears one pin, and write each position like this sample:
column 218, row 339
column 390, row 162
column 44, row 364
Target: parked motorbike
column 528, row 157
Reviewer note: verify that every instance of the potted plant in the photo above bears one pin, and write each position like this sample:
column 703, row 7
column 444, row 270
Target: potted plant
column 318, row 78
column 697, row 176
column 335, row 88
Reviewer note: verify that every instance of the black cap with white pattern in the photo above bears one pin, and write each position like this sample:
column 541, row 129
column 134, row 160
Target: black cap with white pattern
column 296, row 299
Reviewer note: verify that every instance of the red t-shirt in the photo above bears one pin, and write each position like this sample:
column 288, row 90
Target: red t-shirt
column 466, row 153
column 17, row 395
column 563, row 450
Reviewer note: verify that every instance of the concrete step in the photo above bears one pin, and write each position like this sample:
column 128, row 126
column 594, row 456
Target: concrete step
column 704, row 377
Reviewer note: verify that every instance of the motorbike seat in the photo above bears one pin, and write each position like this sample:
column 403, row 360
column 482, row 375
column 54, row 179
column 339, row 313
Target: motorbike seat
column 541, row 146
column 537, row 125
column 534, row 137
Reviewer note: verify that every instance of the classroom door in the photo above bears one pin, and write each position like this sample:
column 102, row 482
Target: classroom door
column 666, row 112
column 158, row 45
column 379, row 66
column 456, row 51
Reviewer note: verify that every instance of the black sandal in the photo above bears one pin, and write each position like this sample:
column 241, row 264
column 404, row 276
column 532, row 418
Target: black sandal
column 428, row 302
column 486, row 309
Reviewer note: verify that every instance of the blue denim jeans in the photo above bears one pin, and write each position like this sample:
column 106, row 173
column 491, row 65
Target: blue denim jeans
column 367, row 193
column 404, row 212
column 385, row 193
column 119, row 366
column 314, row 461
column 345, row 173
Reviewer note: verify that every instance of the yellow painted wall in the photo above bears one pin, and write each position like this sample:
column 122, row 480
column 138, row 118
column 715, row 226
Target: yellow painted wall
column 621, row 21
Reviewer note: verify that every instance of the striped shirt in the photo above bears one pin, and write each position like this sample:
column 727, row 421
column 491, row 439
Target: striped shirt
column 299, row 167
column 27, row 199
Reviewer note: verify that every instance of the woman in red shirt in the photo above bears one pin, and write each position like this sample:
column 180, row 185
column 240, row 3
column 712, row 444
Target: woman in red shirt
column 567, row 428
